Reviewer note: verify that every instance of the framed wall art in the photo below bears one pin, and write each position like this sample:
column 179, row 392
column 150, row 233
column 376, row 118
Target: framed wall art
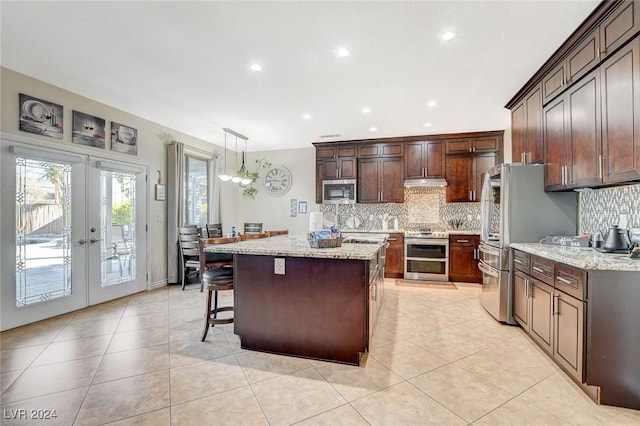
column 302, row 207
column 88, row 130
column 40, row 117
column 124, row 139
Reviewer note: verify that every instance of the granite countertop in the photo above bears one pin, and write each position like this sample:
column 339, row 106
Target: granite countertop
column 296, row 246
column 581, row 257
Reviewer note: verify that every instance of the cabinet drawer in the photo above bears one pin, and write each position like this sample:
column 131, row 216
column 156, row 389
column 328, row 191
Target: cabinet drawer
column 463, row 240
column 543, row 269
column 570, row 280
column 521, row 261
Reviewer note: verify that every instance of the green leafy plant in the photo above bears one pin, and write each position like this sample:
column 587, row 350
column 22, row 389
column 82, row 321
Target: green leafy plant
column 122, row 213
column 250, row 190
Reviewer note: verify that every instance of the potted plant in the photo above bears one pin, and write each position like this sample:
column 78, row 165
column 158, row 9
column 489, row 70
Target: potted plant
column 249, row 190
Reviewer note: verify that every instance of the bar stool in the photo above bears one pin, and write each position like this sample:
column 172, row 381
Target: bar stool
column 216, row 273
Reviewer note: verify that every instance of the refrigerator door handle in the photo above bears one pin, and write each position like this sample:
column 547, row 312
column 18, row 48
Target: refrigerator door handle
column 490, row 252
column 488, row 269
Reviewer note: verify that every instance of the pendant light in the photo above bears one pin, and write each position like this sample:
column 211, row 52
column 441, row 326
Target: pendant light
column 246, row 180
column 236, row 178
column 224, row 176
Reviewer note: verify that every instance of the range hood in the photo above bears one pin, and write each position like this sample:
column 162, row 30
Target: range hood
column 425, row 182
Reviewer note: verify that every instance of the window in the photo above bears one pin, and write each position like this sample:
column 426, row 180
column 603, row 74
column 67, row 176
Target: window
column 196, row 180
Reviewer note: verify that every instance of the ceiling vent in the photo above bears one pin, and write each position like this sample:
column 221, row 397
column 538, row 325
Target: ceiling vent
column 335, row 135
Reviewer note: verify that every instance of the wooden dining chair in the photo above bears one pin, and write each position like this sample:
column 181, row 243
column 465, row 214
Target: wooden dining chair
column 216, row 272
column 214, row 230
column 252, row 228
column 188, row 239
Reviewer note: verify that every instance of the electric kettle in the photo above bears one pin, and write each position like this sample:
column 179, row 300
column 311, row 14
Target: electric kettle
column 617, row 240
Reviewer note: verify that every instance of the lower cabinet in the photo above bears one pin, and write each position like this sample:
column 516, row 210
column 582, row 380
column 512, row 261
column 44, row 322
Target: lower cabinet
column 394, row 264
column 464, row 258
column 553, row 319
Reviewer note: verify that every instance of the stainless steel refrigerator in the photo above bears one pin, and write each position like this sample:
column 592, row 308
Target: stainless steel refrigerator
column 514, row 208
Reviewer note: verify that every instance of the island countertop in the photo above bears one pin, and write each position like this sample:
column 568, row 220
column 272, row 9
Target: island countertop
column 295, row 246
column 581, row 257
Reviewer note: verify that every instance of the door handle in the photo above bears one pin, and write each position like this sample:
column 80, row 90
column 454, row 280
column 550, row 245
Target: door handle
column 82, row 242
column 93, row 240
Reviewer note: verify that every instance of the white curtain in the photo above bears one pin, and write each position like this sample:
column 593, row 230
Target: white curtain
column 213, row 189
column 175, row 208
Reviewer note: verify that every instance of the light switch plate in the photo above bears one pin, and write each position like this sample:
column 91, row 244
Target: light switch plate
column 278, row 265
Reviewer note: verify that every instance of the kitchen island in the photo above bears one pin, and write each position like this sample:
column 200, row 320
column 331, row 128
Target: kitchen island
column 295, row 300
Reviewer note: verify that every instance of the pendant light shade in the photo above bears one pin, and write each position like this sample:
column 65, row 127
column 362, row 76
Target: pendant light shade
column 242, row 175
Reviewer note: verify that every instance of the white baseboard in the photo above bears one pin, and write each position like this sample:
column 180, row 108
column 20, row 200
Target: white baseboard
column 158, row 284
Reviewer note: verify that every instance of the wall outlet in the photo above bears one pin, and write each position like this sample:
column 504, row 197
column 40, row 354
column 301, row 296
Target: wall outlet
column 278, row 265
column 469, row 217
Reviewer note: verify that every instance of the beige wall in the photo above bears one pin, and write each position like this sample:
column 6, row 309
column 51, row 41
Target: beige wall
column 151, row 148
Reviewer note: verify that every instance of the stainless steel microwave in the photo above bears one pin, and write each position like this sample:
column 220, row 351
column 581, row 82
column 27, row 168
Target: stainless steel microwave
column 339, row 191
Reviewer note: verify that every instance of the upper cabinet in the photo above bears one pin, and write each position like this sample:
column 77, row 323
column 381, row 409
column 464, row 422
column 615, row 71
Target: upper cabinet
column 526, row 129
column 616, row 29
column 338, row 162
column 380, row 180
column 391, row 149
column 464, row 176
column 472, row 145
column 424, row 159
column 590, row 101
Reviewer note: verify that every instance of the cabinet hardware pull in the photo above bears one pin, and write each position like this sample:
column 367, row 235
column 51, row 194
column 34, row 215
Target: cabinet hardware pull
column 337, row 173
column 555, row 304
column 392, row 239
column 517, row 261
column 566, row 281
column 600, row 166
column 462, row 241
column 538, row 270
column 526, row 288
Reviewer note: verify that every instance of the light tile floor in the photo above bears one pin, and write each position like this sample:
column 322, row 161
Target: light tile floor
column 437, row 358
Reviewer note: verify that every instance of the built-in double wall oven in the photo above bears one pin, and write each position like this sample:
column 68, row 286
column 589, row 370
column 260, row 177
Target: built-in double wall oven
column 426, row 258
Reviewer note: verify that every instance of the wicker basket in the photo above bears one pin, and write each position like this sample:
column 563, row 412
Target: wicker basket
column 329, row 243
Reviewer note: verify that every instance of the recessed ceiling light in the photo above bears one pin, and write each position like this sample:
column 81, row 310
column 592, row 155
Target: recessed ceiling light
column 366, row 110
column 428, row 124
column 373, row 129
column 256, row 67
column 342, row 52
column 432, row 104
column 306, row 116
column 448, row 35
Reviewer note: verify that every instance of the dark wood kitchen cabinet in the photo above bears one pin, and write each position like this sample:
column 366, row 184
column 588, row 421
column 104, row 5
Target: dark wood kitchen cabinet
column 424, row 159
column 489, row 143
column 464, row 258
column 573, row 137
column 389, row 149
column 620, row 77
column 339, row 162
column 394, row 264
column 526, row 129
column 464, row 176
column 380, row 180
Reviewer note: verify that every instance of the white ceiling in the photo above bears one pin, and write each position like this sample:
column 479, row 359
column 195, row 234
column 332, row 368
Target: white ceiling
column 186, row 64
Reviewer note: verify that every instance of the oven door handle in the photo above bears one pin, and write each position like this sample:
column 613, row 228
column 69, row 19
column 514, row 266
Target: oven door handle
column 487, row 269
column 488, row 251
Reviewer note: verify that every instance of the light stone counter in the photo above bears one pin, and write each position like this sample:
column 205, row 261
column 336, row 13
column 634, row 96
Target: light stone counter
column 296, row 246
column 581, row 257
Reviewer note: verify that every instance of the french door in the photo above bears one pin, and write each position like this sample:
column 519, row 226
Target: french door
column 72, row 231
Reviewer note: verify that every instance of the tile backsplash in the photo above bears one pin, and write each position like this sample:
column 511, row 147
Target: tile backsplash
column 424, row 207
column 602, row 208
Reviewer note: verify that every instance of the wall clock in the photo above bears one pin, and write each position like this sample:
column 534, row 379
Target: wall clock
column 278, row 180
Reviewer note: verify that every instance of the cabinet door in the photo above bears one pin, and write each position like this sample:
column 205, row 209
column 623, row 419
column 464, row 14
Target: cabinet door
column 553, row 82
column 458, row 172
column 583, row 102
column 521, row 299
column 533, row 133
column 620, row 77
column 319, row 179
column 394, row 264
column 555, row 136
column 481, row 164
column 488, row 144
column 325, row 152
column 568, row 347
column 414, row 153
column 368, row 182
column 392, row 180
column 518, row 132
column 458, row 146
column 583, row 57
column 541, row 314
column 347, row 168
column 463, row 262
column 616, row 29
column 434, row 161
